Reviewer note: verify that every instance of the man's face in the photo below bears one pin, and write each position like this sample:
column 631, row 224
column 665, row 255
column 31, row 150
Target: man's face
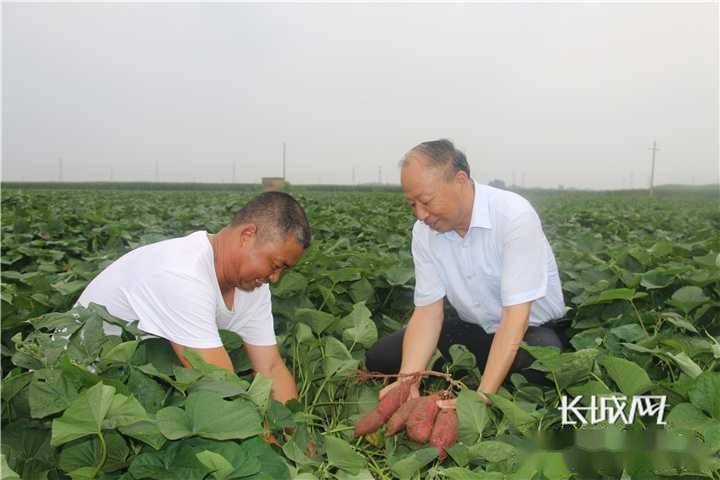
column 263, row 262
column 434, row 200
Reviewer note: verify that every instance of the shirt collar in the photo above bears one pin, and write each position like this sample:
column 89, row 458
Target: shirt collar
column 481, row 209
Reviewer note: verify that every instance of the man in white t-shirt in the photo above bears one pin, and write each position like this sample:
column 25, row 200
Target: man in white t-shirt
column 484, row 250
column 186, row 289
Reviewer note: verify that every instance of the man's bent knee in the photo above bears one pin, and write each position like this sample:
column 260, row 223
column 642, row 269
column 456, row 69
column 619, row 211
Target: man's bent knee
column 386, row 355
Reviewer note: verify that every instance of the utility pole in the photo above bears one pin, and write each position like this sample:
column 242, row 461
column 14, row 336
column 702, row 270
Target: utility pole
column 354, row 178
column 283, row 160
column 60, row 169
column 380, row 174
column 157, row 170
column 234, row 177
column 112, row 174
column 652, row 170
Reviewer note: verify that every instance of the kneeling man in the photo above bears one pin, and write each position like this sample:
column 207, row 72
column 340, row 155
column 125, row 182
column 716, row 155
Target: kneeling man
column 186, row 289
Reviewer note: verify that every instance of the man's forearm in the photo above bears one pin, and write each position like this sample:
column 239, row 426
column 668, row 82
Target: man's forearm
column 504, row 347
column 421, row 338
column 284, row 387
column 214, row 356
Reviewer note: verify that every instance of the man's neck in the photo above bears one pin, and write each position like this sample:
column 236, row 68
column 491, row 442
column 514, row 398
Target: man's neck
column 217, row 244
column 468, row 201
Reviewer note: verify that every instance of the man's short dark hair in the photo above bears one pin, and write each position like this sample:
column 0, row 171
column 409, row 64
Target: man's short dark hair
column 440, row 154
column 276, row 214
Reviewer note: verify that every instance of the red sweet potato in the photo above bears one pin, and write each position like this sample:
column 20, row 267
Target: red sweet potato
column 420, row 422
column 444, row 432
column 388, row 404
column 393, row 399
column 398, row 419
column 368, row 424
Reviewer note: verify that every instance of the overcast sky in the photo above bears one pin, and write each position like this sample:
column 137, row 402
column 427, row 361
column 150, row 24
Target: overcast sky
column 544, row 94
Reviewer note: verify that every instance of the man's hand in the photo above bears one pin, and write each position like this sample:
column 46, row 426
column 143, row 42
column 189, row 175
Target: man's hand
column 447, row 404
column 484, row 397
column 419, row 342
column 266, row 360
column 452, row 403
column 414, row 387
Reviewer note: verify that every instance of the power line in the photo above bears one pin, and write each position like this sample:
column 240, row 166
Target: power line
column 652, row 170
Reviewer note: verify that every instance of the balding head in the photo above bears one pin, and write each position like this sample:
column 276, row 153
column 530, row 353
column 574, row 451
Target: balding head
column 440, row 155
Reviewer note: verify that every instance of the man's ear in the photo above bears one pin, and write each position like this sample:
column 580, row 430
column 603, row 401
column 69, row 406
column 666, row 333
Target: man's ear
column 461, row 177
column 246, row 233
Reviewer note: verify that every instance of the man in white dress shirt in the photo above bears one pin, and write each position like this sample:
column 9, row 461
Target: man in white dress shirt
column 483, row 249
column 185, row 289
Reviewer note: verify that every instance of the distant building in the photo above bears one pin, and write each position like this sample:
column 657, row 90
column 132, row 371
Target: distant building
column 497, row 183
column 271, row 184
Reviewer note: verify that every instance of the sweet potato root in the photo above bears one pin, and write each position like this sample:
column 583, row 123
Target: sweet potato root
column 387, row 406
column 399, row 418
column 420, row 422
column 444, row 432
column 368, row 424
column 393, row 399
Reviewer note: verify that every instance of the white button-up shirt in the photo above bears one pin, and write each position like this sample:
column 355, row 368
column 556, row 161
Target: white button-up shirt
column 504, row 259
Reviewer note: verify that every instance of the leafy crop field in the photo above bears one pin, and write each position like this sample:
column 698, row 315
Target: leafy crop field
column 641, row 277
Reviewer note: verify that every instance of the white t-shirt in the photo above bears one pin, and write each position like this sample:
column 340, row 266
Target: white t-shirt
column 171, row 289
column 503, row 260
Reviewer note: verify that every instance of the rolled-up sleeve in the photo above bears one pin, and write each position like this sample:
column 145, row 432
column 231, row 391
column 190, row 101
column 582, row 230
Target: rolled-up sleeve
column 428, row 284
column 524, row 260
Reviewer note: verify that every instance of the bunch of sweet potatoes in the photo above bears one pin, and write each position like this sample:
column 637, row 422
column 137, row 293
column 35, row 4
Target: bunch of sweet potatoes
column 421, row 418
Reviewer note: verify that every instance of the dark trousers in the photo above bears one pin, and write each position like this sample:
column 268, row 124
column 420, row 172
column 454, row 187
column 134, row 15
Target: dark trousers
column 386, row 355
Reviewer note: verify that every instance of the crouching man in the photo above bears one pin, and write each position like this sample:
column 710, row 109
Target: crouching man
column 186, row 289
column 484, row 250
